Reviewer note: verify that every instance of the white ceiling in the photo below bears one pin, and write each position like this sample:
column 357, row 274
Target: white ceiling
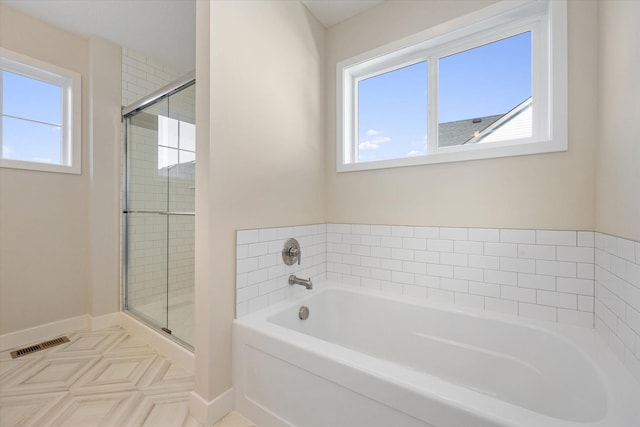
column 330, row 12
column 161, row 29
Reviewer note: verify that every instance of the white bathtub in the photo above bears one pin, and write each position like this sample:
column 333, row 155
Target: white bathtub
column 366, row 360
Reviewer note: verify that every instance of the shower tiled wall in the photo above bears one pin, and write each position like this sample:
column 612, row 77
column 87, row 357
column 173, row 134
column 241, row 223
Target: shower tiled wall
column 150, row 260
column 142, row 75
column 617, row 305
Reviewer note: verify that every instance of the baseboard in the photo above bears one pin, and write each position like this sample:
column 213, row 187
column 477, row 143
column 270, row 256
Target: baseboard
column 44, row 332
column 208, row 413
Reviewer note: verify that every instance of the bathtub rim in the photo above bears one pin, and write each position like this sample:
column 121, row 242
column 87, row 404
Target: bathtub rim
column 617, row 383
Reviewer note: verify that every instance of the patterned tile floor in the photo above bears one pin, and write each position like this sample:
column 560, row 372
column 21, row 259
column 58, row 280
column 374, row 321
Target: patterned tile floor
column 100, row 378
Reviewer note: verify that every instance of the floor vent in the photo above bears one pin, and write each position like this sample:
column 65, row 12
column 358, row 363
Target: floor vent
column 42, row 346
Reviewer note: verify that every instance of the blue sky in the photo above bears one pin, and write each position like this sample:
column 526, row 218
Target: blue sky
column 488, row 80
column 38, row 138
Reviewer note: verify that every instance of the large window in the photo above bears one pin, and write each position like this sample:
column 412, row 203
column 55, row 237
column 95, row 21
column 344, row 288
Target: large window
column 489, row 84
column 40, row 115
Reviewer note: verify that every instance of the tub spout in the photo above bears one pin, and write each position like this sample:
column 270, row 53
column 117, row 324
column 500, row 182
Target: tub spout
column 293, row 280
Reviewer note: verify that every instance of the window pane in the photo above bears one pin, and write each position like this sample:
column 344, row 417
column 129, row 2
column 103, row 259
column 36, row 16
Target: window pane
column 30, row 141
column 187, row 157
column 187, row 136
column 185, row 168
column 31, row 99
column 484, row 94
column 167, row 132
column 167, row 159
column 392, row 114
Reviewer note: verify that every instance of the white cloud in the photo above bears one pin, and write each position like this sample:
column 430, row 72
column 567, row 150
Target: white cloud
column 7, row 152
column 373, row 132
column 381, row 139
column 368, row 145
column 373, row 143
column 415, row 153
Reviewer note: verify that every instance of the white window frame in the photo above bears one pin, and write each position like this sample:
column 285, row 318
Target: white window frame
column 547, row 21
column 71, row 84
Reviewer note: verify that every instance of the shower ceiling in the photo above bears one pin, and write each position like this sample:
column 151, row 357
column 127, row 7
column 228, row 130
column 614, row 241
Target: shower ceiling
column 161, row 29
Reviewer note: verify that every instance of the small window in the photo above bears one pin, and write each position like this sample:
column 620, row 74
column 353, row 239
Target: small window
column 40, row 111
column 489, row 84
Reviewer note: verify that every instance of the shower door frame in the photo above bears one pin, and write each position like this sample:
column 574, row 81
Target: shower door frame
column 149, row 100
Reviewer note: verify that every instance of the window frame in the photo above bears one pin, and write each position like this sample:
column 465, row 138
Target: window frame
column 70, row 83
column 547, row 21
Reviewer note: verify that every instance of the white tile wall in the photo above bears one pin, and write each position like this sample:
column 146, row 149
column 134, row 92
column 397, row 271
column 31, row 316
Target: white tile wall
column 142, row 75
column 617, row 302
column 532, row 273
column 261, row 273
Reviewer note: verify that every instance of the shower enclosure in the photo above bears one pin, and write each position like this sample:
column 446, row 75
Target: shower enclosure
column 159, row 209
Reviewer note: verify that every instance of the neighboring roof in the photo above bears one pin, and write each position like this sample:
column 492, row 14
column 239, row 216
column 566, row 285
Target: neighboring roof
column 514, row 124
column 461, row 131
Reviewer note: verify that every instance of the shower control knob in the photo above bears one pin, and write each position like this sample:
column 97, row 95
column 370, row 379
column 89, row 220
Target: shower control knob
column 291, row 252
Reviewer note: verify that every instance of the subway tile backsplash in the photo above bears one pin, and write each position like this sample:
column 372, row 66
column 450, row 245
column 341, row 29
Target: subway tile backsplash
column 575, row 277
column 617, row 302
column 532, row 273
column 261, row 274
column 542, row 274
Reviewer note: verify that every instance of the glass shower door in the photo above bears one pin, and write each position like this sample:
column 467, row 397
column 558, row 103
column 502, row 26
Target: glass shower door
column 159, row 213
column 181, row 170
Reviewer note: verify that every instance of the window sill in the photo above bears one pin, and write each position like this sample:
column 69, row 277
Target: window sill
column 40, row 167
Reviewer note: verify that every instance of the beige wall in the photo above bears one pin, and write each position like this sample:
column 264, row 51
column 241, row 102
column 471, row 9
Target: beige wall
column 549, row 191
column 618, row 165
column 59, row 233
column 265, row 151
column 105, row 102
column 44, row 217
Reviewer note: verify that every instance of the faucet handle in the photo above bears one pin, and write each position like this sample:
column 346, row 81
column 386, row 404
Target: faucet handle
column 291, row 252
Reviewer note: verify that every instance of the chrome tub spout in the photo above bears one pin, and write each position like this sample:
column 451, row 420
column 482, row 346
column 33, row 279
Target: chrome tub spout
column 293, row 280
